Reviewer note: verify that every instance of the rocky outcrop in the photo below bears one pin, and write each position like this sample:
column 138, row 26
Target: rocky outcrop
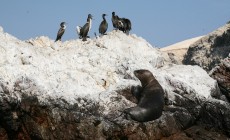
column 175, row 53
column 221, row 73
column 209, row 50
column 29, row 118
column 78, row 90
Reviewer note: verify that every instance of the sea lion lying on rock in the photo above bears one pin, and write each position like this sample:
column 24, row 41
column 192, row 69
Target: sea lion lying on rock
column 150, row 98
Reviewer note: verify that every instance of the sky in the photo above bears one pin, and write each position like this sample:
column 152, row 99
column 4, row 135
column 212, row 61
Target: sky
column 160, row 22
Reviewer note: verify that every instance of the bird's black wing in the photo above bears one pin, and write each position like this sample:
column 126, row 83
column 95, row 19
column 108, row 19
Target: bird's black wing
column 85, row 30
column 129, row 24
column 60, row 33
column 103, row 27
column 115, row 20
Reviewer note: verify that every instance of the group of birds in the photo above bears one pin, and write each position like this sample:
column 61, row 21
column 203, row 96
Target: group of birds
column 122, row 24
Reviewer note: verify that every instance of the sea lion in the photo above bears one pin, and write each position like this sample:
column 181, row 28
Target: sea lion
column 150, row 96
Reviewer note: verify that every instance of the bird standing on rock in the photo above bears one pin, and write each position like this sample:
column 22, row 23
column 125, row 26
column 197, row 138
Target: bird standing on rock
column 126, row 25
column 61, row 31
column 115, row 21
column 103, row 26
column 123, row 24
column 86, row 28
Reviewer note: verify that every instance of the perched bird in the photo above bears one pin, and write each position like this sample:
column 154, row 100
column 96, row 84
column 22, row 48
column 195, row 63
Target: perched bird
column 115, row 21
column 103, row 26
column 86, row 28
column 126, row 25
column 122, row 24
column 61, row 31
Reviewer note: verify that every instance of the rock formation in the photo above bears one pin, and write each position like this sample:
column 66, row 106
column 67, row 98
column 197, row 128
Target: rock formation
column 175, row 53
column 211, row 53
column 78, row 90
column 209, row 50
column 221, row 73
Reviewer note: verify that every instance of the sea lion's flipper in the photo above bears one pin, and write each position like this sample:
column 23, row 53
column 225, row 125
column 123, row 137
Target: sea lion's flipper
column 136, row 91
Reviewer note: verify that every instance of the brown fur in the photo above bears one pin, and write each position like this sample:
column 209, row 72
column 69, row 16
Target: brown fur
column 150, row 96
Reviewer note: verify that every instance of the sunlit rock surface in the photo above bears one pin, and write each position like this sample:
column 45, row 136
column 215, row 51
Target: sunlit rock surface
column 209, row 50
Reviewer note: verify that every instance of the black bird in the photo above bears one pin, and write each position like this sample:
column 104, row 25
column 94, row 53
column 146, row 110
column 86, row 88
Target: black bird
column 103, row 26
column 115, row 20
column 61, row 31
column 126, row 25
column 122, row 24
column 86, row 28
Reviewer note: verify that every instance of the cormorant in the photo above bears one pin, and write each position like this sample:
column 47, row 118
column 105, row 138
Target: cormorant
column 86, row 28
column 126, row 25
column 115, row 20
column 61, row 31
column 122, row 24
column 103, row 26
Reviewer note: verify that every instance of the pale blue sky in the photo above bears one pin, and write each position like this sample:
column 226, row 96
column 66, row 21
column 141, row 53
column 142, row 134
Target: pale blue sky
column 160, row 22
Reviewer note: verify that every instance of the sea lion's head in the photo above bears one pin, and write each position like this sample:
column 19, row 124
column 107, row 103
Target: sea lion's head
column 145, row 76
